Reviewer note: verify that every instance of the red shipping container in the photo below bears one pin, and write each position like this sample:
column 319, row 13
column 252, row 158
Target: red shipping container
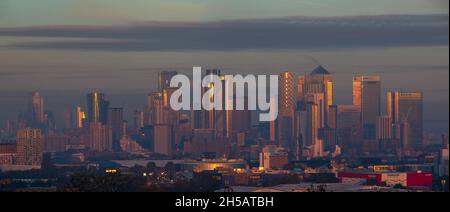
column 420, row 180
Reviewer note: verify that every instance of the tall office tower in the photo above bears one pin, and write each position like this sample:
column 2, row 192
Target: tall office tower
column 158, row 110
column 318, row 81
column 170, row 116
column 300, row 126
column 29, row 147
column 100, row 137
column 273, row 131
column 36, row 110
column 405, row 135
column 384, row 128
column 367, row 95
column 49, row 120
column 332, row 116
column 444, row 140
column 327, row 135
column 406, row 108
column 68, row 119
column 286, row 108
column 115, row 122
column 80, row 117
column 10, row 128
column 164, row 79
column 219, row 120
column 312, row 126
column 163, row 119
column 231, row 121
column 163, row 139
column 349, row 127
column 138, row 119
column 97, row 108
column 211, row 115
column 348, row 116
column 241, row 121
column 443, row 161
column 319, row 100
column 150, row 108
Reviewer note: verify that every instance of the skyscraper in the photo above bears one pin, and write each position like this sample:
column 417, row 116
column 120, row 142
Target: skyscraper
column 349, row 127
column 164, row 79
column 319, row 100
column 138, row 119
column 29, row 147
column 384, row 128
column 115, row 122
column 318, row 81
column 287, row 106
column 312, row 129
column 219, row 120
column 406, row 109
column 367, row 96
column 97, row 108
column 100, row 137
column 80, row 117
column 36, row 110
column 164, row 139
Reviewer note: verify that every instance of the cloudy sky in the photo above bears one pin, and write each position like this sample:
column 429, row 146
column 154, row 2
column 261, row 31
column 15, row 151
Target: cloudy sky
column 65, row 48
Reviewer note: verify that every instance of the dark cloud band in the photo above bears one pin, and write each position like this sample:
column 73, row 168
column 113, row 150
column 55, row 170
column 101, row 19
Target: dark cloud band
column 284, row 33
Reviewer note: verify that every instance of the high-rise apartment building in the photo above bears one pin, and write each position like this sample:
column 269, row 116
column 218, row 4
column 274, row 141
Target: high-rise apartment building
column 29, row 147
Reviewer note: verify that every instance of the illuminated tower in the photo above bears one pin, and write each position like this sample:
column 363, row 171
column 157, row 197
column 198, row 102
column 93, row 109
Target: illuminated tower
column 80, row 117
column 367, row 96
column 318, row 81
column 406, row 109
column 287, row 106
column 97, row 108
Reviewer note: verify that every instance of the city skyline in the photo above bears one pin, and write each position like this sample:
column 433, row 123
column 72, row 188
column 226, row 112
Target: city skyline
column 224, row 96
column 130, row 108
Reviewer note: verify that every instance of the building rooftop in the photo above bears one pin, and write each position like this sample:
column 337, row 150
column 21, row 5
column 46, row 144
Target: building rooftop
column 320, row 70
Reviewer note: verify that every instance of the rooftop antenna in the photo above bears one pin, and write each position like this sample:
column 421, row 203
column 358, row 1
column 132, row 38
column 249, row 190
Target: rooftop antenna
column 312, row 59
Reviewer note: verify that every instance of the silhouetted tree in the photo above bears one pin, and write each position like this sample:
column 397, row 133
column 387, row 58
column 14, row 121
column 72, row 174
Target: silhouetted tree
column 48, row 168
column 151, row 167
